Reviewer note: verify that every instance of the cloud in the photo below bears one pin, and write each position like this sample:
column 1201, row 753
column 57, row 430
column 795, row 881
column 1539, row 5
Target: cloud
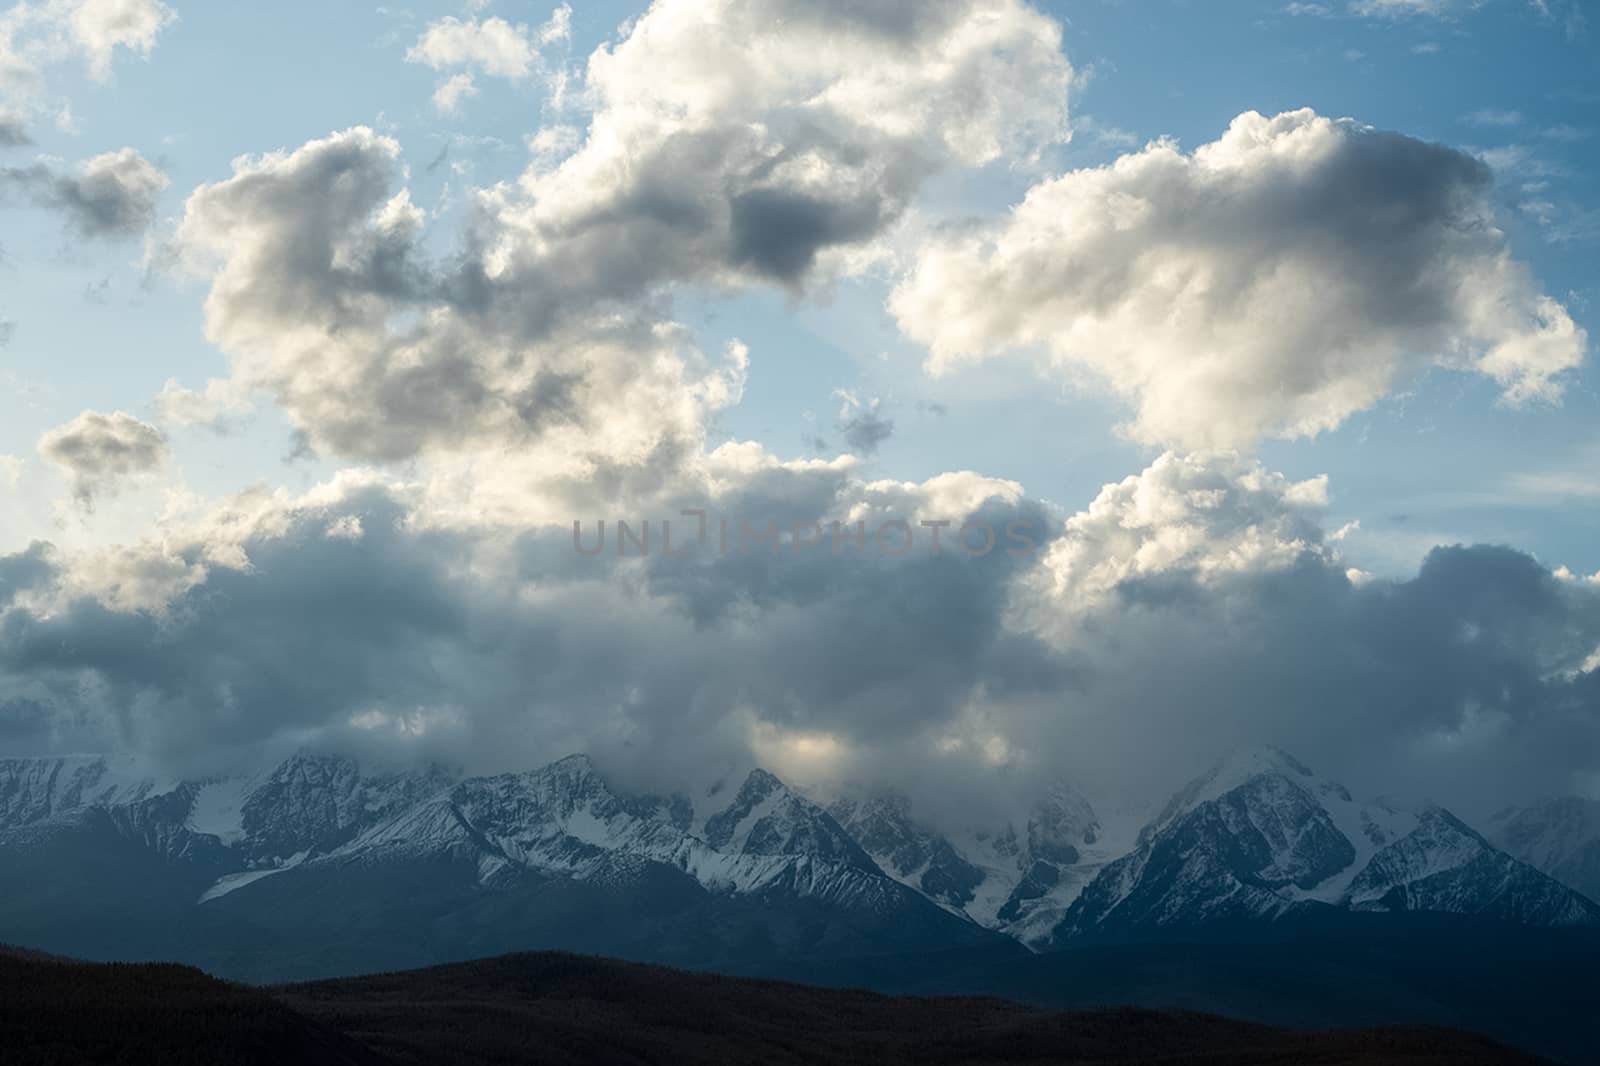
column 1495, row 117
column 1400, row 8
column 861, row 423
column 37, row 35
column 13, row 131
column 448, row 96
column 731, row 144
column 100, row 27
column 492, row 47
column 508, row 634
column 1270, row 283
column 1193, row 606
column 99, row 451
column 1208, row 515
column 216, row 407
column 11, row 470
column 112, row 196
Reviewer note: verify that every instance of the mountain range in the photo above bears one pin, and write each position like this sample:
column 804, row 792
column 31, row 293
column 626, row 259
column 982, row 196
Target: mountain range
column 316, row 867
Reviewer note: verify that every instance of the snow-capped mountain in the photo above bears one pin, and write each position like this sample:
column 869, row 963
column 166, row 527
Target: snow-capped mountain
column 1016, row 877
column 35, row 790
column 1261, row 837
column 566, row 819
column 317, row 866
column 323, row 868
column 1560, row 836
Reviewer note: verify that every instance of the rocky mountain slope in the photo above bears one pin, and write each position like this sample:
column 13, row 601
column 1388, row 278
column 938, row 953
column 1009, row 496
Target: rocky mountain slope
column 1017, row 877
column 1263, row 838
column 315, row 866
column 1560, row 836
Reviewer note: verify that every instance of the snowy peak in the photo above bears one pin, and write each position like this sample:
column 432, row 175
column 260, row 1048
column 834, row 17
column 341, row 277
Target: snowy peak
column 767, row 818
column 1241, row 766
column 1261, row 835
column 316, row 802
column 1016, row 876
column 1445, row 866
column 35, row 790
column 565, row 817
column 909, row 852
column 1558, row 836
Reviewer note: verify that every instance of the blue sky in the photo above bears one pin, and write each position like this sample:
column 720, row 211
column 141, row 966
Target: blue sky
column 1441, row 462
column 454, row 283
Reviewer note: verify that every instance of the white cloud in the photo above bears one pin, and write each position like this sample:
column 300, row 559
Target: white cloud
column 1212, row 515
column 730, row 144
column 1270, row 283
column 11, row 470
column 1495, row 117
column 37, row 35
column 1396, row 8
column 100, row 27
column 492, row 47
column 457, row 87
column 214, row 407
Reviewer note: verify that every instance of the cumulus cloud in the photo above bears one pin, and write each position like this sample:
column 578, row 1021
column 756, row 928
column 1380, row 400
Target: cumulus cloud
column 99, row 451
column 1206, row 608
column 731, row 143
column 1270, row 283
column 100, row 27
column 1209, row 515
column 112, row 196
column 516, row 643
column 37, row 35
column 492, row 47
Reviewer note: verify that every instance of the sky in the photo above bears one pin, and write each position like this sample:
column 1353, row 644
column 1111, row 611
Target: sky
column 1268, row 325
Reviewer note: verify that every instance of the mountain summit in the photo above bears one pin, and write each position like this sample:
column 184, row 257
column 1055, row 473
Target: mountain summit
column 1261, row 837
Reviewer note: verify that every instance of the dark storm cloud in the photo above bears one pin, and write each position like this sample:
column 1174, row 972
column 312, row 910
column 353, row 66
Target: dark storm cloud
column 1463, row 683
column 343, row 620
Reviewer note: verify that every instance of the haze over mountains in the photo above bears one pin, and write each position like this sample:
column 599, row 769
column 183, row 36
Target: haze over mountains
column 315, row 867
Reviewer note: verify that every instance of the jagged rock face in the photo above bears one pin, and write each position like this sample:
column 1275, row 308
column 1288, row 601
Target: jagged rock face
column 1017, row 878
column 882, row 825
column 1445, row 866
column 565, row 817
column 765, row 818
column 1281, row 834
column 34, row 790
column 1261, row 837
column 316, row 802
column 1258, row 838
column 1560, row 837
column 338, row 865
